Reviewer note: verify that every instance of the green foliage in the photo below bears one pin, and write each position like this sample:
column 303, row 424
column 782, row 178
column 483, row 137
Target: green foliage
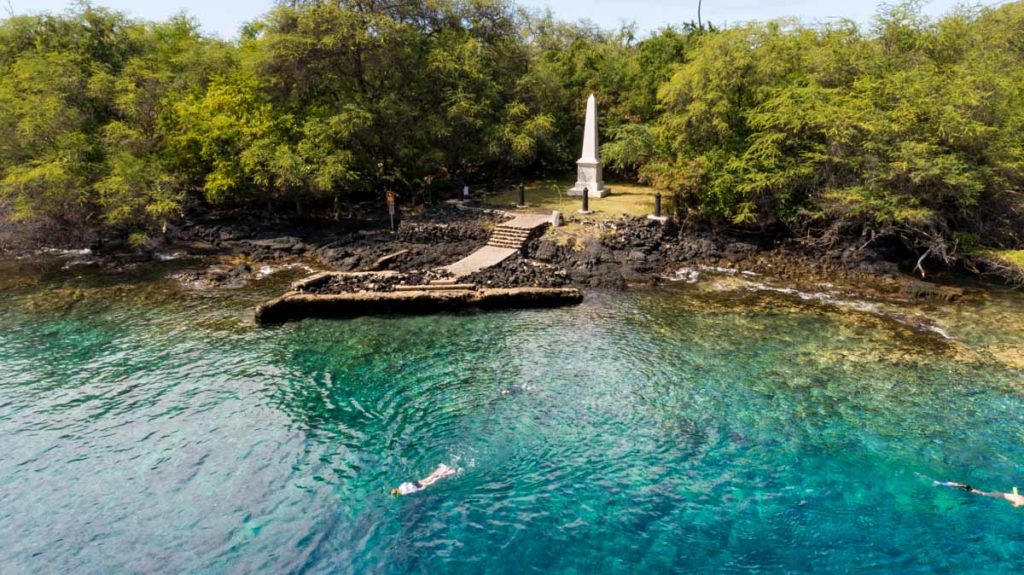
column 1014, row 257
column 911, row 126
column 86, row 102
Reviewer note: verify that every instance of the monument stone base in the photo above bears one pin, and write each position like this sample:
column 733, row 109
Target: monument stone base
column 589, row 177
column 578, row 192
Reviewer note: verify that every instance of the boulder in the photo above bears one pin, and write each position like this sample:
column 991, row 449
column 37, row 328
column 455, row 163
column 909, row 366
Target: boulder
column 636, row 256
column 242, row 269
column 738, row 251
column 348, row 264
column 696, row 248
column 286, row 244
column 593, row 253
column 632, row 275
column 926, row 290
column 547, row 250
column 332, row 256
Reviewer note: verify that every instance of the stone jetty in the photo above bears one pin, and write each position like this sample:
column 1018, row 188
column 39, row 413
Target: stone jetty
column 352, row 294
column 298, row 305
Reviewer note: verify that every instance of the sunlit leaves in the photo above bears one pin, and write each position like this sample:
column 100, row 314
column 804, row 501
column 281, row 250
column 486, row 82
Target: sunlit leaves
column 910, row 124
column 85, row 113
column 915, row 125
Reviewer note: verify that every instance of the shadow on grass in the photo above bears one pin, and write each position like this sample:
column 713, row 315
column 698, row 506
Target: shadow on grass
column 626, row 199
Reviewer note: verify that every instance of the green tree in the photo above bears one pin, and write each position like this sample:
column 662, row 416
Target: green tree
column 85, row 102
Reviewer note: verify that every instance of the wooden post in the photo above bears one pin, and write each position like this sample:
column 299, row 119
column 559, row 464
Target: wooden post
column 391, row 208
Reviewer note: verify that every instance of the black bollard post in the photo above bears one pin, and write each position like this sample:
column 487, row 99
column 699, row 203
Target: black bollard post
column 522, row 195
column 586, row 200
column 657, row 205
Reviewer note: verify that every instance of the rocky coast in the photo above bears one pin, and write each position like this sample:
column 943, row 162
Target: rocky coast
column 613, row 253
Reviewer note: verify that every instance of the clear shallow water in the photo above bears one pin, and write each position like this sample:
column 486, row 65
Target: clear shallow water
column 683, row 429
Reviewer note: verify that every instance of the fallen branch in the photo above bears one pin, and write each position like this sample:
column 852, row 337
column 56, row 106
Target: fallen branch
column 919, row 267
column 388, row 258
column 867, row 243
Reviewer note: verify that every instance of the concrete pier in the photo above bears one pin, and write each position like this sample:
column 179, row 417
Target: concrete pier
column 440, row 295
column 294, row 306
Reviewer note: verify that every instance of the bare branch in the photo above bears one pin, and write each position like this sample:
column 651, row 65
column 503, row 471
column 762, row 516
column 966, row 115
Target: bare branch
column 919, row 267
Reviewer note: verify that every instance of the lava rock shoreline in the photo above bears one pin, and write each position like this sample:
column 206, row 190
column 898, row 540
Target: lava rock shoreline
column 610, row 254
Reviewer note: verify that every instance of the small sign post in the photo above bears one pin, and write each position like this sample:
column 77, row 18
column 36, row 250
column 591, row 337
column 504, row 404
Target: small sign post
column 391, row 207
column 656, row 216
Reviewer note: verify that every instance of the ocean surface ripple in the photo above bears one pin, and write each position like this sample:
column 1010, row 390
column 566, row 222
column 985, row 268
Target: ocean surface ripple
column 145, row 428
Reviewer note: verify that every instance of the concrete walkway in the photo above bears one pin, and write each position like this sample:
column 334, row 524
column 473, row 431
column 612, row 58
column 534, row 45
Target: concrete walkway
column 483, row 258
column 528, row 221
column 492, row 255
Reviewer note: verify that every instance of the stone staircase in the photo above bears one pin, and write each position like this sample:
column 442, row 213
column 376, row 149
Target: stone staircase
column 509, row 237
column 506, row 240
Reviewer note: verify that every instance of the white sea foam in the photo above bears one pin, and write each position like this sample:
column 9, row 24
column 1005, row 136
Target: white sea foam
column 829, row 297
column 938, row 330
column 171, row 256
column 77, row 264
column 688, row 275
column 692, row 275
column 266, row 271
column 66, row 253
column 820, row 297
column 717, row 269
column 922, row 323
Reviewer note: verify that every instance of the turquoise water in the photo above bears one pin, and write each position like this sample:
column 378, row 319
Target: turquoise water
column 677, row 430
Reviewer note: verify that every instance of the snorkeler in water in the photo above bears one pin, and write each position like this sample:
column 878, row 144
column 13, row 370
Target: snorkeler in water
column 515, row 390
column 409, row 488
column 1015, row 498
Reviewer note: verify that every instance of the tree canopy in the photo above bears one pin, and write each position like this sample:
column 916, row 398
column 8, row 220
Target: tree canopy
column 909, row 127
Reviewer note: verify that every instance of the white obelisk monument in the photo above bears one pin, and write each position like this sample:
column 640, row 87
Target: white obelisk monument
column 588, row 167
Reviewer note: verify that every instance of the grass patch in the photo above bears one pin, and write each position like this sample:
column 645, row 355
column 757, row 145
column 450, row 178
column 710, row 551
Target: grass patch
column 625, row 199
column 1014, row 257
